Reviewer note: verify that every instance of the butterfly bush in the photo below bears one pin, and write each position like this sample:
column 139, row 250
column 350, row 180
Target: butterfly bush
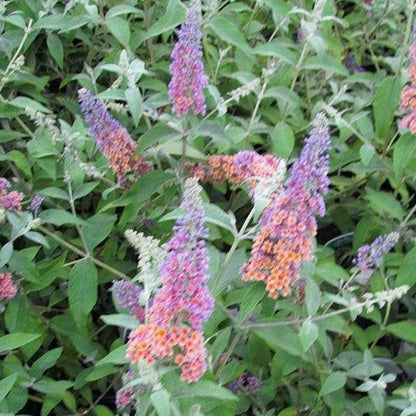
column 173, row 328
column 245, row 166
column 187, row 70
column 408, row 97
column 9, row 200
column 369, row 256
column 113, row 140
column 8, row 287
column 288, row 222
column 35, row 204
column 127, row 295
column 246, row 383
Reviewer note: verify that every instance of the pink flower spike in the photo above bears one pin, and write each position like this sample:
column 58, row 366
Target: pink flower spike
column 8, row 287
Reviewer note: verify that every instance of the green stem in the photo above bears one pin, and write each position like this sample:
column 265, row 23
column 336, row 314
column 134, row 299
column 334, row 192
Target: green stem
column 237, row 239
column 228, row 355
column 183, row 153
column 298, row 68
column 17, row 53
column 257, row 106
column 409, row 215
column 295, row 321
column 78, row 228
column 80, row 253
column 411, row 9
column 386, row 316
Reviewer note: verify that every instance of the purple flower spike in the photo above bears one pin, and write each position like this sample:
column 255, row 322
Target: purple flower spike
column 188, row 78
column 126, row 293
column 370, row 255
column 35, row 204
column 113, row 140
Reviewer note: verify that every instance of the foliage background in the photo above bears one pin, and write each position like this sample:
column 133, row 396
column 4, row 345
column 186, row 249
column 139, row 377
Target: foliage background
column 60, row 338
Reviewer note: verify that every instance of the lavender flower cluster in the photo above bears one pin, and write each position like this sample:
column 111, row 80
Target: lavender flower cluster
column 112, row 140
column 246, row 383
column 370, row 255
column 188, row 78
column 9, row 200
column 127, row 296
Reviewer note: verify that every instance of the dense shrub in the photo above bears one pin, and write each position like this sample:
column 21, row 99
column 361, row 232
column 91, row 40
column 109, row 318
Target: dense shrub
column 206, row 208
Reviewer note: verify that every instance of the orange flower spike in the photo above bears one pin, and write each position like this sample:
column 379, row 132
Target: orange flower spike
column 290, row 228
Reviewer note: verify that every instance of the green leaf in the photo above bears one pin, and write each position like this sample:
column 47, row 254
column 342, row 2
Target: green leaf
column 54, row 192
column 121, row 320
column 75, row 23
column 333, row 382
column 174, row 16
column 84, row 189
column 5, row 253
column 331, row 272
column 22, row 263
column 6, row 385
column 282, row 338
column 55, row 48
column 37, row 238
column 386, row 97
column 403, row 330
column 49, row 402
column 49, row 386
column 207, row 388
column 119, row 28
column 98, row 228
column 331, row 64
column 367, row 152
column 101, row 410
column 277, row 49
column 70, row 401
column 312, row 296
column 220, row 343
column 52, row 22
column 159, row 133
column 45, row 362
column 253, row 296
column 82, row 291
column 65, row 324
column 283, row 140
column 407, row 275
column 9, row 135
column 123, row 9
column 213, row 214
column 59, row 217
column 404, row 152
column 308, row 334
column 160, row 400
column 24, row 102
column 142, row 190
column 134, row 101
column 117, row 356
column 12, row 341
column 19, row 159
column 385, row 204
column 226, row 30
column 377, row 397
column 14, row 19
column 175, row 148
column 101, row 371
